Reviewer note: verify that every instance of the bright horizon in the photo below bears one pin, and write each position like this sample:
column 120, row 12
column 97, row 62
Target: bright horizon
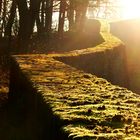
column 125, row 9
column 130, row 9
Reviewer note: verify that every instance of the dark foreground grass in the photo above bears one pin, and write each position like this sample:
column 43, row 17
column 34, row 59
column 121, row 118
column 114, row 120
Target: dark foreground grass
column 16, row 123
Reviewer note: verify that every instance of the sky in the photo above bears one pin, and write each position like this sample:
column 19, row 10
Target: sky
column 130, row 9
column 124, row 9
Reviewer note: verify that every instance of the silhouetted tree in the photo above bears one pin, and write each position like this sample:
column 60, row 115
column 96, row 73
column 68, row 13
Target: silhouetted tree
column 11, row 19
column 61, row 17
column 48, row 19
column 71, row 16
column 81, row 9
column 27, row 17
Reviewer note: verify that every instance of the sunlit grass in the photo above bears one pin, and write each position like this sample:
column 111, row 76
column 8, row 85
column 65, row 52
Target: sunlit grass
column 87, row 107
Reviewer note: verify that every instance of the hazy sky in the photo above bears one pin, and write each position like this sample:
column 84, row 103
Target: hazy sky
column 130, row 8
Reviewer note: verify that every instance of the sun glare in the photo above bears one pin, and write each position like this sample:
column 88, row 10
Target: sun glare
column 130, row 9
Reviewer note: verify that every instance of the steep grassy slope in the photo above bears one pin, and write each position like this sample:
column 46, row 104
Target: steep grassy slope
column 106, row 60
column 70, row 104
column 82, row 106
column 128, row 31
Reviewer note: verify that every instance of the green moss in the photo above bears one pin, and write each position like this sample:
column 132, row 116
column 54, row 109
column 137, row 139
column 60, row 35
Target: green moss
column 87, row 107
column 76, row 98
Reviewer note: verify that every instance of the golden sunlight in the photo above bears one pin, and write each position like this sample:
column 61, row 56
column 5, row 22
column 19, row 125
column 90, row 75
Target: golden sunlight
column 130, row 9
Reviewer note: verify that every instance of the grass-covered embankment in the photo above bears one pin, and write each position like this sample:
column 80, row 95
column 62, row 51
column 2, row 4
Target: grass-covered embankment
column 128, row 31
column 72, row 104
column 106, row 60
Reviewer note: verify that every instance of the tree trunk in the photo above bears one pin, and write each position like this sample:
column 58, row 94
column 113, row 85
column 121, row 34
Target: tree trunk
column 8, row 28
column 81, row 14
column 34, row 10
column 42, row 14
column 4, row 16
column 27, row 20
column 24, row 24
column 71, row 16
column 48, row 20
column 39, row 26
column 0, row 6
column 61, row 18
column 0, row 15
column 11, row 19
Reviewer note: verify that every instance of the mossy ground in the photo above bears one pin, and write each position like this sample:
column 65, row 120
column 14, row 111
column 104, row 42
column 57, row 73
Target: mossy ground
column 87, row 106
